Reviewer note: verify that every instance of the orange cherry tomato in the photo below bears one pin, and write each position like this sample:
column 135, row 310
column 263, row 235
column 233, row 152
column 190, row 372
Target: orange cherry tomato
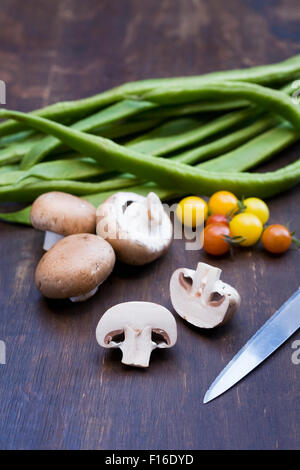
column 223, row 202
column 217, row 219
column 276, row 238
column 213, row 239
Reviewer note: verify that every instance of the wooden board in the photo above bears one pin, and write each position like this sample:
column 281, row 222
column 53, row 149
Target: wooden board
column 59, row 389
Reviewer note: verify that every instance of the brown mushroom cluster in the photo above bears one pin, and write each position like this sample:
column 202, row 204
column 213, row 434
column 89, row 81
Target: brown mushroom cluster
column 77, row 260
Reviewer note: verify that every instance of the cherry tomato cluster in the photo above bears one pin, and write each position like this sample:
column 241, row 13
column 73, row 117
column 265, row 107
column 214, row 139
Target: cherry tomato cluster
column 230, row 222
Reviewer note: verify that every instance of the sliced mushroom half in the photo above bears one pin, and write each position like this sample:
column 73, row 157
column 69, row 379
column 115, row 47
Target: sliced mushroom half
column 137, row 328
column 201, row 298
column 137, row 227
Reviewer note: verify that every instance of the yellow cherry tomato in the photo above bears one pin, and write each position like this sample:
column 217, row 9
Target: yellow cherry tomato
column 256, row 206
column 222, row 202
column 248, row 226
column 192, row 211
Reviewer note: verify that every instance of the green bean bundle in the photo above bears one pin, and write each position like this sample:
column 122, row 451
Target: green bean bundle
column 178, row 175
column 174, row 136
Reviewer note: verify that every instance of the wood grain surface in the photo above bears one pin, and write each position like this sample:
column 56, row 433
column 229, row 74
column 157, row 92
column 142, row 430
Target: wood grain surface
column 59, row 389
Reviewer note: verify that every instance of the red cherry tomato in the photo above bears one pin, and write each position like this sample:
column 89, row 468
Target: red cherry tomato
column 276, row 238
column 213, row 240
column 217, row 219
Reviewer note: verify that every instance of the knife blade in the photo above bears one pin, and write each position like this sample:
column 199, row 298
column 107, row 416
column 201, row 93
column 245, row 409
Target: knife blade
column 263, row 343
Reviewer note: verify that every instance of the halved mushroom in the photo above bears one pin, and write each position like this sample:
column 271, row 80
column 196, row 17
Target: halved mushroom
column 137, row 328
column 137, row 227
column 61, row 214
column 201, row 298
column 75, row 267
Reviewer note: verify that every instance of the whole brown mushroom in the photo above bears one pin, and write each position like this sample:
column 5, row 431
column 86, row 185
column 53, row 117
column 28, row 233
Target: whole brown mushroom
column 61, row 214
column 75, row 267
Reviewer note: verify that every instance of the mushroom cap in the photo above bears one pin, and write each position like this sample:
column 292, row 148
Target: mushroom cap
column 63, row 213
column 137, row 315
column 74, row 266
column 123, row 220
column 200, row 298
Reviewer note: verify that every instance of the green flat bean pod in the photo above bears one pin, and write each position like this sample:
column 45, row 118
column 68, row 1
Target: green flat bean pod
column 158, row 140
column 228, row 142
column 157, row 169
column 19, row 217
column 13, row 153
column 10, row 177
column 17, row 137
column 107, row 116
column 76, row 169
column 105, row 123
column 167, row 194
column 243, row 158
column 126, row 128
column 275, row 101
column 31, row 188
column 183, row 132
column 256, row 151
column 7, row 168
column 22, row 217
column 192, row 108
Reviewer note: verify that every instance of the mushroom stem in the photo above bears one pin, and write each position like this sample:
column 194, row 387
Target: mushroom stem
column 206, row 277
column 50, row 239
column 154, row 208
column 137, row 347
column 198, row 277
column 82, row 298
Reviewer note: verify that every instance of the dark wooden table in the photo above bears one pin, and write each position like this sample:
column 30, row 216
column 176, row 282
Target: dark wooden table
column 59, row 390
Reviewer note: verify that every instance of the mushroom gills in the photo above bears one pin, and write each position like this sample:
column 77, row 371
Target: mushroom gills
column 116, row 337
column 160, row 336
column 50, row 239
column 142, row 344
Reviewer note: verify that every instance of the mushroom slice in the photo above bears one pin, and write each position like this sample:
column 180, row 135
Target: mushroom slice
column 137, row 227
column 201, row 298
column 137, row 328
column 75, row 267
column 60, row 214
